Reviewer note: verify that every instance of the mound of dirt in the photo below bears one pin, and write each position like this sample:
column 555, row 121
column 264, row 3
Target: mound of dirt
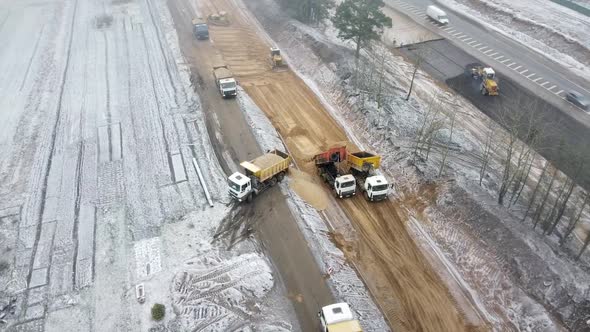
column 311, row 192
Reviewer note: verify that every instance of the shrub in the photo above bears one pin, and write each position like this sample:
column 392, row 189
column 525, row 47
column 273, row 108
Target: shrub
column 158, row 311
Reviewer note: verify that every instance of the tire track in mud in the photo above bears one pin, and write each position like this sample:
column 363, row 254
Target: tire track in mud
column 398, row 274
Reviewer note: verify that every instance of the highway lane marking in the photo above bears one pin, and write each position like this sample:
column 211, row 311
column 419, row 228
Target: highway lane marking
column 505, row 60
column 466, row 39
column 537, row 79
column 458, row 33
column 524, row 71
column 451, row 31
column 531, row 75
column 551, row 88
column 545, row 83
column 493, row 54
column 488, row 51
column 559, row 92
column 517, row 68
column 499, row 57
column 477, row 45
column 446, row 28
column 481, row 48
column 472, row 42
column 511, row 64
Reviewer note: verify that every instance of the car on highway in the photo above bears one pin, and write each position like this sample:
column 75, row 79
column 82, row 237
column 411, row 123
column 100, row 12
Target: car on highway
column 577, row 99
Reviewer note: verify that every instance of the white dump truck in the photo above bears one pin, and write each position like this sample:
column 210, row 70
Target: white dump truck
column 338, row 318
column 437, row 14
column 224, row 79
column 261, row 173
column 327, row 163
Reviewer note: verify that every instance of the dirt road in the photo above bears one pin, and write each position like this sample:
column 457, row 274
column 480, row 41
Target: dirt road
column 399, row 276
column 234, row 142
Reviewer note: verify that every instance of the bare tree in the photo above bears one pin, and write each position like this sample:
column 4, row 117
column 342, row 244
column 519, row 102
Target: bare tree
column 535, row 191
column 541, row 205
column 570, row 185
column 573, row 221
column 528, row 125
column 487, row 151
column 419, row 55
column 560, row 196
column 431, row 124
column 446, row 148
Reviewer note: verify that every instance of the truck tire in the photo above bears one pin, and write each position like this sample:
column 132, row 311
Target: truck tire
column 273, row 181
column 280, row 176
column 367, row 196
column 249, row 199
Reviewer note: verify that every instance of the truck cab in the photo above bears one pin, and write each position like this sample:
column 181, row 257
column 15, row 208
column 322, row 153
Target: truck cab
column 345, row 186
column 200, row 28
column 338, row 318
column 240, row 186
column 228, row 87
column 376, row 188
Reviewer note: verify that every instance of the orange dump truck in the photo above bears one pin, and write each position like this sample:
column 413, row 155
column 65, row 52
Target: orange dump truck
column 361, row 164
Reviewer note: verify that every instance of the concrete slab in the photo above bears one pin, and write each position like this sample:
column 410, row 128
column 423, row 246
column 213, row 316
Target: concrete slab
column 38, row 278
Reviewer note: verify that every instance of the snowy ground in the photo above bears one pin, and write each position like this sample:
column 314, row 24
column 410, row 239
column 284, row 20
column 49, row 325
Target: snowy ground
column 558, row 32
column 98, row 189
column 514, row 271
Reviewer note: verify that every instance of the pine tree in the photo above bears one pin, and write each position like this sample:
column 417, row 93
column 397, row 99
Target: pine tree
column 360, row 21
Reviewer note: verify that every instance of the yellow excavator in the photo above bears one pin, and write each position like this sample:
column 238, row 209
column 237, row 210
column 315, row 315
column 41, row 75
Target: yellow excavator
column 489, row 85
column 278, row 63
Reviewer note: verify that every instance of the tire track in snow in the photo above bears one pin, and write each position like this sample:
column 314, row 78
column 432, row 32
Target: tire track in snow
column 58, row 120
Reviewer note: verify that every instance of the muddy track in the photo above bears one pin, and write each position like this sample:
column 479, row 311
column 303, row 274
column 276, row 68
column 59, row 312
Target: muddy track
column 399, row 276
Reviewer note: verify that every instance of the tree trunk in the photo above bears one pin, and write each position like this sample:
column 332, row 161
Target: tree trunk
column 535, row 191
column 444, row 159
column 541, row 206
column 574, row 222
column 563, row 206
column 586, row 242
column 412, row 82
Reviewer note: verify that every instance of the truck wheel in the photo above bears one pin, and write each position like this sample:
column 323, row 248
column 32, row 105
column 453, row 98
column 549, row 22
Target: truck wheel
column 249, row 199
column 273, row 181
column 366, row 195
column 280, row 176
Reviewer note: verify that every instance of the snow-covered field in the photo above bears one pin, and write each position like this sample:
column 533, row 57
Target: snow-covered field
column 514, row 272
column 558, row 32
column 98, row 192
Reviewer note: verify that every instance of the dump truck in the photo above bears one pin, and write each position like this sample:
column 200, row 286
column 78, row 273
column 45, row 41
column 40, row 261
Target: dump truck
column 489, row 85
column 260, row 174
column 338, row 318
column 363, row 165
column 224, row 79
column 200, row 28
column 278, row 63
column 327, row 163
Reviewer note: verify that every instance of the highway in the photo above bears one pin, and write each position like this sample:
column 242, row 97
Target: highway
column 535, row 72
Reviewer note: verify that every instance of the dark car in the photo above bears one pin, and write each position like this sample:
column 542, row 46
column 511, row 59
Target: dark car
column 577, row 99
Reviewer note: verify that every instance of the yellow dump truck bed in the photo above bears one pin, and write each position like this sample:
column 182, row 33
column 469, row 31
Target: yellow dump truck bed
column 348, row 326
column 267, row 165
column 363, row 161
